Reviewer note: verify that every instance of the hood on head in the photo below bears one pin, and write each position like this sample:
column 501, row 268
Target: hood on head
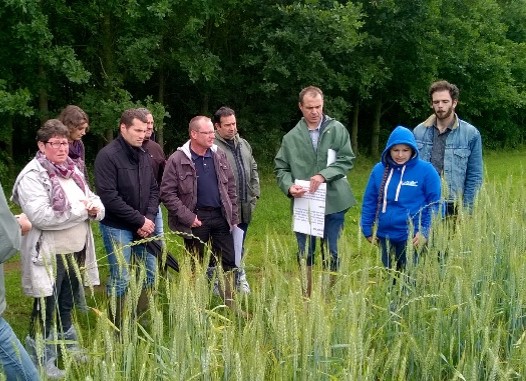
column 400, row 135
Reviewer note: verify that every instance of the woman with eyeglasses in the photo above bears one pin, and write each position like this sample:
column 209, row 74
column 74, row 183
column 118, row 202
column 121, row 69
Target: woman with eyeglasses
column 55, row 196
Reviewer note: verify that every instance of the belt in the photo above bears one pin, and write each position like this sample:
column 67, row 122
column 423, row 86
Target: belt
column 208, row 209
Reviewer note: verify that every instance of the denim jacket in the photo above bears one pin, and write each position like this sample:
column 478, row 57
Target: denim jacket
column 463, row 166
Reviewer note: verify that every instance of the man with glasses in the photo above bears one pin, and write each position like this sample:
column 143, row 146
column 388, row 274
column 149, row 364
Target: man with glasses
column 199, row 192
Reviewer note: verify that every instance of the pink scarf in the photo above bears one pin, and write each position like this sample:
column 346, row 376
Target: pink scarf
column 65, row 170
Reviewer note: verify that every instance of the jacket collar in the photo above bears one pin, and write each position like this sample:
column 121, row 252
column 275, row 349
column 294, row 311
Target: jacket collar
column 235, row 139
column 431, row 121
column 325, row 120
column 132, row 152
column 185, row 148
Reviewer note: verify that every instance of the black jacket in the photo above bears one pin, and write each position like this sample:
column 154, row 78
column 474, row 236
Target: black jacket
column 157, row 159
column 125, row 183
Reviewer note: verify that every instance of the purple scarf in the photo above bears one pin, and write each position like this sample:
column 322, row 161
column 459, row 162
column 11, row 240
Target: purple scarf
column 76, row 152
column 65, row 170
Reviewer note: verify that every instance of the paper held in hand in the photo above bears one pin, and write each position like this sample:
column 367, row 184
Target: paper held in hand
column 309, row 210
column 237, row 235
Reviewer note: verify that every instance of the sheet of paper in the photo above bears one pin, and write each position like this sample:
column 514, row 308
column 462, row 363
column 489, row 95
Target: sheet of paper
column 309, row 210
column 237, row 235
column 331, row 156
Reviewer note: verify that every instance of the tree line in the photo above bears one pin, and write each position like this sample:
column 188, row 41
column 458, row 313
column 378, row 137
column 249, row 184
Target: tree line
column 374, row 60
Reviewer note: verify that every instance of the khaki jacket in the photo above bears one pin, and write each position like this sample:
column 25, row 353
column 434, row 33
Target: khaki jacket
column 249, row 191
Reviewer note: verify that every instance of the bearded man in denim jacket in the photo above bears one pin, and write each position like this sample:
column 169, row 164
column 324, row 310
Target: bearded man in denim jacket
column 453, row 146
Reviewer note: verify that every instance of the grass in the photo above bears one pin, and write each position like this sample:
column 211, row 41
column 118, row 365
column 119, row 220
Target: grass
column 461, row 318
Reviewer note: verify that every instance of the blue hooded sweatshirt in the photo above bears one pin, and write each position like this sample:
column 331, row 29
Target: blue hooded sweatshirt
column 397, row 195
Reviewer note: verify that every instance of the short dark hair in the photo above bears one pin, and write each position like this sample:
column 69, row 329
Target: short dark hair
column 73, row 117
column 52, row 128
column 129, row 115
column 311, row 90
column 223, row 111
column 444, row 85
column 145, row 110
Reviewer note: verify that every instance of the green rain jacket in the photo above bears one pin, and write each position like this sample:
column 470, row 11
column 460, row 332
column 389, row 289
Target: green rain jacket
column 297, row 160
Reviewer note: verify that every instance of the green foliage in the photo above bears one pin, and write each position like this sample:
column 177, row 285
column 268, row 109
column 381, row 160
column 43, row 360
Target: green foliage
column 14, row 103
column 106, row 112
column 479, row 56
column 4, row 168
column 373, row 59
column 305, row 43
column 32, row 42
column 135, row 51
column 64, row 57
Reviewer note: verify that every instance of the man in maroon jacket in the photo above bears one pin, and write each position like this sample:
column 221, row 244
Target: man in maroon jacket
column 199, row 192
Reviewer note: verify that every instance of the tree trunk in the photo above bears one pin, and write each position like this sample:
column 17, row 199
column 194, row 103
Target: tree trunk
column 354, row 128
column 43, row 98
column 162, row 85
column 9, row 147
column 375, row 131
column 204, row 105
column 108, row 66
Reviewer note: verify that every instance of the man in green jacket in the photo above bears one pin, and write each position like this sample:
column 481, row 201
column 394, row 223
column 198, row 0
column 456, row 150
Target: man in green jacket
column 239, row 154
column 317, row 149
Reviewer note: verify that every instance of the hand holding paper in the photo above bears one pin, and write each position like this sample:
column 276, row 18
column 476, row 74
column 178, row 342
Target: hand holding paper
column 309, row 210
column 315, row 182
column 297, row 191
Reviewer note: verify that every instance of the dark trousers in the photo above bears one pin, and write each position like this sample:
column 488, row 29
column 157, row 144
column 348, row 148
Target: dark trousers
column 216, row 231
column 243, row 226
column 61, row 302
column 394, row 250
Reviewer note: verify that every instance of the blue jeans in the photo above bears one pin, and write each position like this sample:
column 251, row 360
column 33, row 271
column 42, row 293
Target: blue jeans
column 331, row 234
column 119, row 274
column 15, row 361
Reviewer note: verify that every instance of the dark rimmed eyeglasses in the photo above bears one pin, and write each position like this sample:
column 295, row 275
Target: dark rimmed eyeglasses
column 57, row 145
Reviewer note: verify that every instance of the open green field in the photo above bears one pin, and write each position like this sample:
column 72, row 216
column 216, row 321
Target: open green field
column 460, row 318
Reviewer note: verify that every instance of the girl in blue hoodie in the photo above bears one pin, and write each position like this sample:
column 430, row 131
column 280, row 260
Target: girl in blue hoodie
column 402, row 195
